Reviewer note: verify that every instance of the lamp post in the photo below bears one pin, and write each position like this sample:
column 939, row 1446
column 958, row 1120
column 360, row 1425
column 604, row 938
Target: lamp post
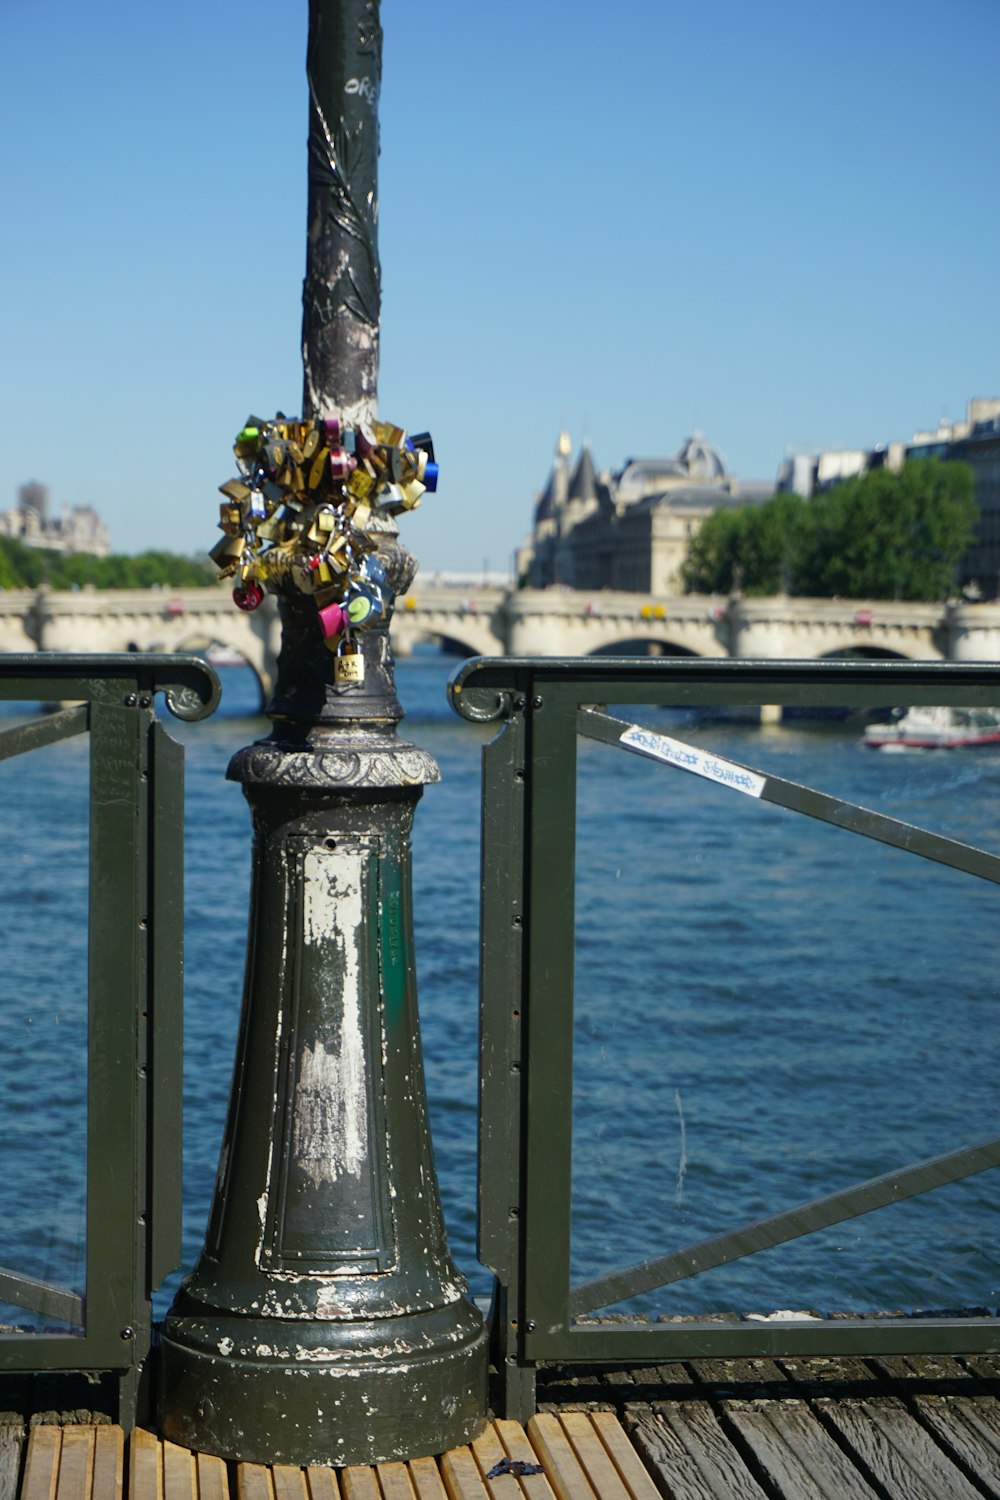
column 325, row 1321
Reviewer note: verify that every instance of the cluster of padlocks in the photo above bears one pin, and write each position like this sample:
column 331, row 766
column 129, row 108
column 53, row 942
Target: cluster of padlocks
column 299, row 514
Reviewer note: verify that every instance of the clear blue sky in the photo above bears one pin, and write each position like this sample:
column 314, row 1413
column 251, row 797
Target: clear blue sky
column 779, row 223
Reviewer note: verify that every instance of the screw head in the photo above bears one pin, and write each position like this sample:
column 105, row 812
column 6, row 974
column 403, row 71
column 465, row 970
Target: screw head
column 537, row 702
column 127, row 1335
column 130, row 700
column 530, row 1325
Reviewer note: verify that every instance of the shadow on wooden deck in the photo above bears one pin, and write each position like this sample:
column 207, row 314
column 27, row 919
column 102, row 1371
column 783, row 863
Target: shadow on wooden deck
column 787, row 1429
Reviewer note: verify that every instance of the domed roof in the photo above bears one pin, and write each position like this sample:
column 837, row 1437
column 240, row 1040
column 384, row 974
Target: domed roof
column 700, row 459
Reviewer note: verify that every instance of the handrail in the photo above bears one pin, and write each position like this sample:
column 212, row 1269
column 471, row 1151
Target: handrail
column 134, row 1001
column 526, row 999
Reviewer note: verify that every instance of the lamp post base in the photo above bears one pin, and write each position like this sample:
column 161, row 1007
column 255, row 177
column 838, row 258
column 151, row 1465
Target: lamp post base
column 259, row 1391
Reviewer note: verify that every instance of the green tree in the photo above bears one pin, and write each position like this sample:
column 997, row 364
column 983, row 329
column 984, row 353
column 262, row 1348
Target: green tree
column 24, row 567
column 882, row 535
column 886, row 535
column 753, row 548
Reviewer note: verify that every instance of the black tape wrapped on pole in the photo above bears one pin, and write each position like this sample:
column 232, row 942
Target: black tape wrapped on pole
column 325, row 1321
column 342, row 290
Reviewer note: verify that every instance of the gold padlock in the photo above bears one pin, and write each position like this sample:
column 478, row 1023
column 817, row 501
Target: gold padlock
column 230, row 519
column 236, row 490
column 349, row 667
column 318, row 465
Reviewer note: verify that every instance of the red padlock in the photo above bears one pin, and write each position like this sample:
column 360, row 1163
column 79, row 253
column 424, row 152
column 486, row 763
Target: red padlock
column 248, row 596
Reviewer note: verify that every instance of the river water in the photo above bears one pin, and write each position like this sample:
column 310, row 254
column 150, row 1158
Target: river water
column 767, row 1009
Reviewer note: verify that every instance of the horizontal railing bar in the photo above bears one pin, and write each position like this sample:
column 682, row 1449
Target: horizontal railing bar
column 190, row 686
column 804, row 1218
column 486, row 688
column 791, row 795
column 653, row 1343
column 38, row 732
column 42, row 1297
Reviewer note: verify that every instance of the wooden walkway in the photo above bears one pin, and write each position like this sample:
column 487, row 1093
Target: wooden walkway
column 891, row 1429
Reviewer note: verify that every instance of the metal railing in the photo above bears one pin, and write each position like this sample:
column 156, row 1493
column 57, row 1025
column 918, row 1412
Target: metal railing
column 527, row 1010
column 134, row 998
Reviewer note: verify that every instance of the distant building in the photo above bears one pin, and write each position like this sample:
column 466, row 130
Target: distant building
column 630, row 529
column 78, row 530
column 807, row 473
column 976, row 442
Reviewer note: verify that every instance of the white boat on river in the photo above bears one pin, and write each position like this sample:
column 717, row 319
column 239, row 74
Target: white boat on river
column 935, row 729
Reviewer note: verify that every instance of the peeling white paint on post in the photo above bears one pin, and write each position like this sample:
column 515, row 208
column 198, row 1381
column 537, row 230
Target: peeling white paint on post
column 330, row 1137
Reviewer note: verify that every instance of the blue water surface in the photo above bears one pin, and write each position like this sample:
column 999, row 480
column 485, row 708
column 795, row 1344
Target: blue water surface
column 767, row 1009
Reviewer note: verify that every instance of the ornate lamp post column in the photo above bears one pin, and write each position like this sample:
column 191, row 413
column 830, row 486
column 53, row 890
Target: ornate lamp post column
column 325, row 1321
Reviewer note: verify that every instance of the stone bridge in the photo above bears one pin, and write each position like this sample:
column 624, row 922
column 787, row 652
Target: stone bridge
column 527, row 622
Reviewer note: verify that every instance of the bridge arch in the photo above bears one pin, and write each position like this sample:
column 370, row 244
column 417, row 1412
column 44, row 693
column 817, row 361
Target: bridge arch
column 643, row 645
column 461, row 634
column 863, row 653
column 250, row 649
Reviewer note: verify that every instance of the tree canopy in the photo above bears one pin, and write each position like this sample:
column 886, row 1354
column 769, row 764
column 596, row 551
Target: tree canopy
column 882, row 535
column 24, row 567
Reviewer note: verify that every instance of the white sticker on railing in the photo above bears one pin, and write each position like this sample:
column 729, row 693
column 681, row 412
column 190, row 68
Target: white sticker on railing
column 689, row 758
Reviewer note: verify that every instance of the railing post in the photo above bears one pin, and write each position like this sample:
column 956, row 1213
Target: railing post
column 325, row 1321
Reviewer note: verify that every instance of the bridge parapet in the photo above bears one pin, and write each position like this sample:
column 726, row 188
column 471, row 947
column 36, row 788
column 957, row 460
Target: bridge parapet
column 781, row 627
column 492, row 621
column 564, row 622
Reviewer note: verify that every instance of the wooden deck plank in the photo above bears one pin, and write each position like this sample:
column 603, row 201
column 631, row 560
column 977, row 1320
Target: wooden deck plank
column 823, row 1372
column 739, row 1373
column 11, row 1448
column 253, row 1482
column 180, row 1473
column 394, row 1481
column 426, row 1479
column 145, row 1466
column 488, row 1451
column 683, row 1442
column 517, row 1446
column 633, row 1472
column 109, row 1463
column 41, row 1464
column 799, row 1458
column 892, row 1445
column 321, row 1482
column 460, row 1473
column 358, row 1482
column 213, row 1477
column 290, row 1482
column 912, row 1367
column 562, row 1467
column 603, row 1477
column 76, row 1464
column 968, row 1428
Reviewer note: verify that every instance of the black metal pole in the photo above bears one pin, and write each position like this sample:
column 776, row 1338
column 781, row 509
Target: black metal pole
column 325, row 1321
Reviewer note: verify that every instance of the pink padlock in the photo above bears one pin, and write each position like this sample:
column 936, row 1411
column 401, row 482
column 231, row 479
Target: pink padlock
column 331, row 620
column 248, row 596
